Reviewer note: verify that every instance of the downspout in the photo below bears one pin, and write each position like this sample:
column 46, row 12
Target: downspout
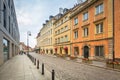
column 113, row 35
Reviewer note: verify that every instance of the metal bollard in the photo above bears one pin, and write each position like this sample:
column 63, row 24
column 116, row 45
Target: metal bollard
column 31, row 58
column 42, row 68
column 35, row 61
column 53, row 75
column 37, row 64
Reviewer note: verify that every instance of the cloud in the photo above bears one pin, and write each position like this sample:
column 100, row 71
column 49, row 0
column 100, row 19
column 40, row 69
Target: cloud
column 31, row 14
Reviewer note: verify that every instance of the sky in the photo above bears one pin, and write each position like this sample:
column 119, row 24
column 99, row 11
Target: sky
column 31, row 14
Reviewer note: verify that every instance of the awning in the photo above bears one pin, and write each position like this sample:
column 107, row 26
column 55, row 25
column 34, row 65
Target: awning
column 65, row 48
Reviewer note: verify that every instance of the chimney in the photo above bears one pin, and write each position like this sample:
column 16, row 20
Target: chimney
column 43, row 24
column 47, row 21
column 61, row 10
column 50, row 17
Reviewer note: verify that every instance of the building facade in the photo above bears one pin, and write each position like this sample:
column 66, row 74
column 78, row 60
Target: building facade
column 24, row 48
column 45, row 37
column 62, row 34
column 92, row 30
column 116, row 28
column 9, row 32
column 89, row 30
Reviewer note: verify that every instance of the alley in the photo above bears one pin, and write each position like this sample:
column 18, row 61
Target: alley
column 69, row 70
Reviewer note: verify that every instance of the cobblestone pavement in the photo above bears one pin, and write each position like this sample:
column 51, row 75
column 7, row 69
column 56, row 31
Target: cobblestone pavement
column 69, row 70
column 20, row 68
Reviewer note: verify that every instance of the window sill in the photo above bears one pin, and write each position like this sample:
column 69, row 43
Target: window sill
column 99, row 33
column 75, row 24
column 99, row 13
column 85, row 36
column 85, row 20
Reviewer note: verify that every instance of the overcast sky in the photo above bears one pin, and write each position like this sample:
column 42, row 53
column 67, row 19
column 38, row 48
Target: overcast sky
column 31, row 14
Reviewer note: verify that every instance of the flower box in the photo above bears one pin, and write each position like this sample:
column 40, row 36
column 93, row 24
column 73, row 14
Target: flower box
column 110, row 63
column 72, row 57
column 86, row 60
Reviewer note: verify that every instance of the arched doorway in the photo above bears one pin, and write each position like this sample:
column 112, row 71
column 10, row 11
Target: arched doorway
column 86, row 52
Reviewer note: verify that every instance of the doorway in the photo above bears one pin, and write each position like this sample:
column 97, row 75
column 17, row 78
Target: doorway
column 86, row 52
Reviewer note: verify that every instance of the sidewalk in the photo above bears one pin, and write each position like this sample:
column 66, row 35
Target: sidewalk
column 20, row 68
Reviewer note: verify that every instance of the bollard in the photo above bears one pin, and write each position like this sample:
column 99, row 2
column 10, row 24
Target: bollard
column 35, row 61
column 53, row 75
column 37, row 64
column 42, row 68
column 32, row 59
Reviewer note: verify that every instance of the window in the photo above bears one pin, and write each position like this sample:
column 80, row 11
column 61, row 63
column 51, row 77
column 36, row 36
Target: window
column 66, row 18
column 61, row 29
column 85, row 32
column 61, row 39
column 55, row 40
column 75, row 21
column 58, row 40
column 4, row 13
column 9, row 24
column 5, row 49
column 76, row 34
column 99, row 9
column 85, row 16
column 55, row 32
column 76, row 51
column 66, row 28
column 51, row 31
column 66, row 38
column 99, row 51
column 99, row 28
column 58, row 31
column 9, row 2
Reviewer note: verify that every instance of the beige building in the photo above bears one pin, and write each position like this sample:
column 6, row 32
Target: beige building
column 62, row 33
column 45, row 37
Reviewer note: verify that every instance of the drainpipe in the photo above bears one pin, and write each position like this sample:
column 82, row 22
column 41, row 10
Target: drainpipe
column 113, row 35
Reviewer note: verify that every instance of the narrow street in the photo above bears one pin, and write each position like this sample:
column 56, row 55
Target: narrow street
column 70, row 70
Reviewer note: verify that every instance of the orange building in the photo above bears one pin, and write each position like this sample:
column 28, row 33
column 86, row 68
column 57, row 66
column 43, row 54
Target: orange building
column 117, row 28
column 92, row 29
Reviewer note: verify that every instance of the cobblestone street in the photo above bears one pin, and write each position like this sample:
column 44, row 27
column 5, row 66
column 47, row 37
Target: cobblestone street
column 70, row 70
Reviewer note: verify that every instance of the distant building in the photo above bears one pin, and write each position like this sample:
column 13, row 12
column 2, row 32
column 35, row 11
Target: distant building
column 89, row 30
column 45, row 37
column 9, row 31
column 24, row 48
column 62, row 34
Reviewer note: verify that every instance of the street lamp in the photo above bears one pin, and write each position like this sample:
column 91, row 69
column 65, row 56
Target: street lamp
column 28, row 34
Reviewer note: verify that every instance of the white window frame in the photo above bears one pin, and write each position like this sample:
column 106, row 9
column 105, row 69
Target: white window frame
column 99, row 9
column 99, row 28
column 85, row 31
column 75, row 34
column 76, row 21
column 85, row 16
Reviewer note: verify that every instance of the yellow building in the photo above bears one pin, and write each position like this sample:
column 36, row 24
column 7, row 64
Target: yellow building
column 45, row 37
column 62, row 33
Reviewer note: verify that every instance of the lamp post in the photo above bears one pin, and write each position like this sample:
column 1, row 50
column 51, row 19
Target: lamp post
column 28, row 34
